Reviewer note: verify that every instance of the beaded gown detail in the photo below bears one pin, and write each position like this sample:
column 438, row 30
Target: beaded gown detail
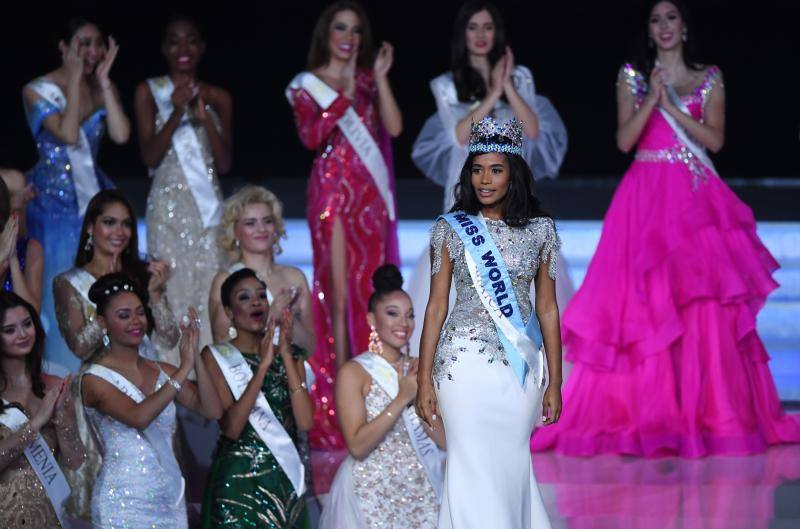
column 662, row 333
column 488, row 416
column 53, row 215
column 132, row 488
column 246, row 485
column 341, row 189
column 389, row 488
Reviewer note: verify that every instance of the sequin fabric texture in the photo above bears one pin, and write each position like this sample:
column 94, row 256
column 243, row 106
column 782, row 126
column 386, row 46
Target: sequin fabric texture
column 175, row 232
column 390, row 484
column 246, row 487
column 469, row 327
column 132, row 489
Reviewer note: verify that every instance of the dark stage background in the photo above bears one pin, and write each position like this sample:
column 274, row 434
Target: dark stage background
column 573, row 48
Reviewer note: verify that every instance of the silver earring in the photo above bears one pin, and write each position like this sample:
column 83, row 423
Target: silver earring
column 236, row 242
column 685, row 35
column 106, row 339
column 232, row 332
column 89, row 241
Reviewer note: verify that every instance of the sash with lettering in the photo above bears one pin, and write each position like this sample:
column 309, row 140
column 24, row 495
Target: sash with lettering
column 353, row 129
column 263, row 420
column 160, row 444
column 492, row 282
column 190, row 154
column 82, row 281
column 431, row 456
column 683, row 135
column 42, row 461
column 80, row 154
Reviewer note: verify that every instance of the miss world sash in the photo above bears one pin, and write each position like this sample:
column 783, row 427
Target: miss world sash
column 492, row 282
column 80, row 154
column 42, row 461
column 696, row 149
column 190, row 154
column 430, row 456
column 354, row 130
column 263, row 420
column 161, row 445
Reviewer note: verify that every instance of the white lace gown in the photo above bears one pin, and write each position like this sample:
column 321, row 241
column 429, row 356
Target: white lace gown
column 133, row 490
column 488, row 416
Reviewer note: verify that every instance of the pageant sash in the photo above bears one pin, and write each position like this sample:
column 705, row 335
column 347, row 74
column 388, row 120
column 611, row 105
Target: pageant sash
column 190, row 154
column 354, row 130
column 430, row 456
column 492, row 282
column 42, row 461
column 161, row 445
column 80, row 154
column 683, row 135
column 263, row 420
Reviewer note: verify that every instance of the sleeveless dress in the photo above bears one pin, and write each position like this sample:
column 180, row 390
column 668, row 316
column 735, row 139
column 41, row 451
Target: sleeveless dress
column 662, row 332
column 133, row 489
column 488, row 416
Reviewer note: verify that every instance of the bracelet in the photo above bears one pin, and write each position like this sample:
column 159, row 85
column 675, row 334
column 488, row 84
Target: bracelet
column 174, row 383
column 300, row 387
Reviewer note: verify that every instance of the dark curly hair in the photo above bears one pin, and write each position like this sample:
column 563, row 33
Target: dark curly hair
column 232, row 280
column 386, row 280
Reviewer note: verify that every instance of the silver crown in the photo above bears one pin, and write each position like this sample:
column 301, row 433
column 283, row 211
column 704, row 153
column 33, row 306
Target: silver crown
column 127, row 287
column 483, row 136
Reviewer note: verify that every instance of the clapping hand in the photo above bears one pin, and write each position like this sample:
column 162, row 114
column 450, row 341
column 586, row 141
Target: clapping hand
column 190, row 338
column 266, row 349
column 384, row 61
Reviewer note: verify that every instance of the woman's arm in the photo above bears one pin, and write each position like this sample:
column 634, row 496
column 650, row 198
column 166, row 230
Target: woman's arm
column 304, row 334
column 522, row 111
column 313, row 124
column 220, row 140
column 391, row 118
column 72, row 452
column 630, row 119
column 711, row 131
column 83, row 337
column 34, row 264
column 154, row 146
column 119, row 126
column 549, row 322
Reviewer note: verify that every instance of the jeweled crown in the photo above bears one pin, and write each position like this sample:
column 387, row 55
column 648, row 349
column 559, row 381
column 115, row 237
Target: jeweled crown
column 484, row 134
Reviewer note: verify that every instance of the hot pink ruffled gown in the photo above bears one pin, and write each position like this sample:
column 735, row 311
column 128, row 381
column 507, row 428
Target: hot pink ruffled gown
column 662, row 332
column 341, row 187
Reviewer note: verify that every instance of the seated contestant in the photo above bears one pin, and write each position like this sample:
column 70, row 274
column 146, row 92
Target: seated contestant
column 129, row 401
column 257, row 478
column 37, row 419
column 393, row 475
column 21, row 258
column 107, row 244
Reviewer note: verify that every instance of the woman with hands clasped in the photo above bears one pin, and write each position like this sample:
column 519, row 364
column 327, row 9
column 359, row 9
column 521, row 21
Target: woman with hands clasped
column 129, row 401
column 69, row 111
column 37, row 420
column 393, row 475
column 257, row 478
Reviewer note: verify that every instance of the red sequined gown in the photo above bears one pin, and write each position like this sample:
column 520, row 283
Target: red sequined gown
column 341, row 187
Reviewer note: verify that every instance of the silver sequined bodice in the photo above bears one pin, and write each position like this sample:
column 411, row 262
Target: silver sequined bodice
column 469, row 329
column 390, row 484
column 132, row 489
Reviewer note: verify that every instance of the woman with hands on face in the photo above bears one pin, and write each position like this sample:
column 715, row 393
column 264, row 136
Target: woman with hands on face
column 69, row 110
column 129, row 401
column 392, row 477
column 185, row 135
column 257, row 476
column 34, row 406
column 21, row 257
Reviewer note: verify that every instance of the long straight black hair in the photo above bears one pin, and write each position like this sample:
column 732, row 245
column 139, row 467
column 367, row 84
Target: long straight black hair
column 520, row 205
column 470, row 86
column 644, row 56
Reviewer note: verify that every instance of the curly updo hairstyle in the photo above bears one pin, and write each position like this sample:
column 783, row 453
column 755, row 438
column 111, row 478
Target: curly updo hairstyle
column 386, row 280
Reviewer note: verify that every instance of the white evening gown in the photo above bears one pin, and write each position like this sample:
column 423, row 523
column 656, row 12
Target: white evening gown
column 488, row 416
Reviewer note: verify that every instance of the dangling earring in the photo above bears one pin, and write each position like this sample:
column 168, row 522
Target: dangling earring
column 106, row 339
column 232, row 332
column 89, row 242
column 685, row 35
column 236, row 242
column 375, row 345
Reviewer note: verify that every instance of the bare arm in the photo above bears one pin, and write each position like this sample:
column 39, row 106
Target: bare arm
column 119, row 127
column 631, row 120
column 154, row 146
column 464, row 125
column 200, row 397
column 64, row 126
column 711, row 131
column 220, row 140
column 522, row 111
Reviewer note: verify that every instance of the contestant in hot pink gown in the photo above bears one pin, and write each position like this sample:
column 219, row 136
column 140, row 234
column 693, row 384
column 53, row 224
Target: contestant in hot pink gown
column 343, row 193
column 662, row 332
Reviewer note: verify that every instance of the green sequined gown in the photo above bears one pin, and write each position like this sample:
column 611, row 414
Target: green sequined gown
column 246, row 487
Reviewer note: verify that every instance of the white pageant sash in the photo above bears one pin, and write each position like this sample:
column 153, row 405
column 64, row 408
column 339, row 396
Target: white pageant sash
column 42, row 461
column 190, row 154
column 161, row 445
column 80, row 154
column 263, row 420
column 696, row 149
column 354, row 130
column 430, row 456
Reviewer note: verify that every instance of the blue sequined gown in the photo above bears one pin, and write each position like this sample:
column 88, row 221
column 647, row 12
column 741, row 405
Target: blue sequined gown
column 53, row 216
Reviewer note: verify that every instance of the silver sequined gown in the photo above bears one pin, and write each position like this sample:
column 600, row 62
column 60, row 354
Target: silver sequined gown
column 488, row 416
column 175, row 231
column 388, row 489
column 132, row 489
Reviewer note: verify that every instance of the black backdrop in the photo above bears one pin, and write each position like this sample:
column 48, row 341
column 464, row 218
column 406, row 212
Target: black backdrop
column 573, row 48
